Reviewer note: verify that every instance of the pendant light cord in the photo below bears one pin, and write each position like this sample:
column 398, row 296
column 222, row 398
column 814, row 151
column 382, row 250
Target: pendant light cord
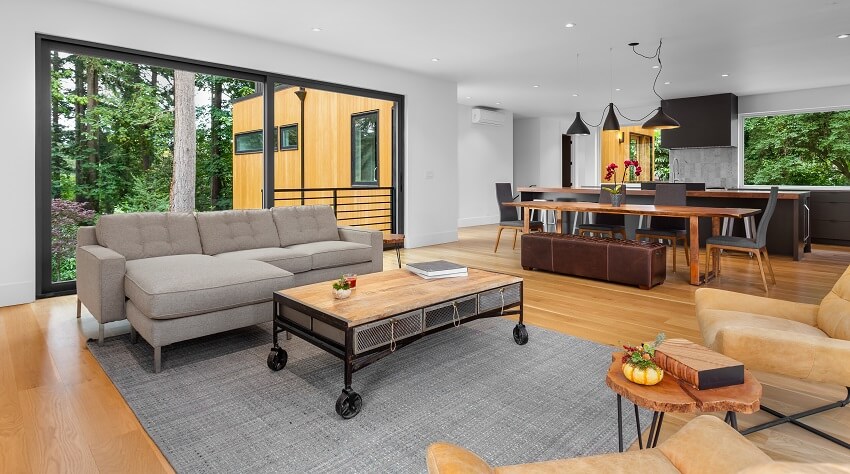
column 657, row 55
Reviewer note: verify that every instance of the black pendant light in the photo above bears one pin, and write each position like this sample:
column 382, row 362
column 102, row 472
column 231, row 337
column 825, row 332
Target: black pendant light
column 611, row 122
column 660, row 121
column 578, row 127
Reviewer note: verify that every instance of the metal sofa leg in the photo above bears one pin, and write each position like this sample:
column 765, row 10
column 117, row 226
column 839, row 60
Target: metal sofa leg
column 134, row 336
column 100, row 334
column 157, row 359
column 288, row 336
column 79, row 308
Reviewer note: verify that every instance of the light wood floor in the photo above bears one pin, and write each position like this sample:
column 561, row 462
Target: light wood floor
column 59, row 411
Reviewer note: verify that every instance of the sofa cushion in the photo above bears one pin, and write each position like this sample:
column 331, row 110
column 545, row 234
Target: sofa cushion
column 230, row 231
column 647, row 460
column 834, row 311
column 287, row 259
column 334, row 253
column 183, row 285
column 713, row 320
column 303, row 224
column 149, row 234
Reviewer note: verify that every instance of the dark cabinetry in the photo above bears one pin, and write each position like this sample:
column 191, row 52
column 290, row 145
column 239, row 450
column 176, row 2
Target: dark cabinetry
column 830, row 217
column 706, row 121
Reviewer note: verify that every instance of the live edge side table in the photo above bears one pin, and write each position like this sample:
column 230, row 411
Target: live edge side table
column 676, row 396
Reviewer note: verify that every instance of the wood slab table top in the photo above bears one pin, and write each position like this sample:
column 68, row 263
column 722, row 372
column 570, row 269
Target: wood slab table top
column 642, row 209
column 381, row 295
column 674, row 395
column 708, row 193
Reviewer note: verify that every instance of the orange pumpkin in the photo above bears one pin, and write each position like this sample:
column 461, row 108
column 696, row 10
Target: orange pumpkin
column 648, row 376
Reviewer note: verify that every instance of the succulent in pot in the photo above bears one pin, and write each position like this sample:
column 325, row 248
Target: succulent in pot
column 341, row 288
column 638, row 363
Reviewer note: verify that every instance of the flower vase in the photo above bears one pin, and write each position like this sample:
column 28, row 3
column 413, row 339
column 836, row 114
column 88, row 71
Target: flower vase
column 617, row 200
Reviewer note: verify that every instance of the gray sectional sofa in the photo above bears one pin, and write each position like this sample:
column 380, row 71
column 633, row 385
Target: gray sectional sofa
column 178, row 276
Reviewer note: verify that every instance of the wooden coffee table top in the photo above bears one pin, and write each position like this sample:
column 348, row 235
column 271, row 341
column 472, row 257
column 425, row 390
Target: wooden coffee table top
column 381, row 295
column 674, row 395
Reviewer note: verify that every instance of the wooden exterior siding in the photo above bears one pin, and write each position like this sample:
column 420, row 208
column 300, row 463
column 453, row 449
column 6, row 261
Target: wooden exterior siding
column 615, row 152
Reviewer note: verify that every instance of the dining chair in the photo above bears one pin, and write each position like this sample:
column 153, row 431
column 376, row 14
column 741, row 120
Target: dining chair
column 758, row 246
column 510, row 217
column 669, row 229
column 606, row 224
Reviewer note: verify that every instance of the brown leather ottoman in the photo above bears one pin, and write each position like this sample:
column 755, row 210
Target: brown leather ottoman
column 629, row 262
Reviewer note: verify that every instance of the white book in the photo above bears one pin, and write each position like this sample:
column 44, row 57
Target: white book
column 436, row 268
column 449, row 275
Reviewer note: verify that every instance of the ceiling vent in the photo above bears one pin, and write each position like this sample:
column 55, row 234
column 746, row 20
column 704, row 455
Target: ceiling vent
column 487, row 116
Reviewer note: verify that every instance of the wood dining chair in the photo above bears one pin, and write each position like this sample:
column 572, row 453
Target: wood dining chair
column 668, row 229
column 606, row 224
column 510, row 217
column 758, row 246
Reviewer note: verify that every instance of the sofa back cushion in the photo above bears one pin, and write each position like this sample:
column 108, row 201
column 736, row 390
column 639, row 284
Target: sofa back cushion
column 834, row 311
column 149, row 234
column 231, row 231
column 305, row 224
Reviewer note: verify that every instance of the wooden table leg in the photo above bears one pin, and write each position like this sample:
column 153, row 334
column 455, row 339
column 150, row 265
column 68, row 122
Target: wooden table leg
column 558, row 222
column 526, row 219
column 694, row 248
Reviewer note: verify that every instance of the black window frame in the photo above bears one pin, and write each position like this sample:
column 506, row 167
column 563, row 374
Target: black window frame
column 375, row 183
column 279, row 135
column 44, row 43
column 249, row 152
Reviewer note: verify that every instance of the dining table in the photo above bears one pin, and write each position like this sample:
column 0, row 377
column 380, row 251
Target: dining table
column 691, row 213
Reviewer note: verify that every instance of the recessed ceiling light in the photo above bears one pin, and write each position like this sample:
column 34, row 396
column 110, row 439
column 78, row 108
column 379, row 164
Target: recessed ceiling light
column 435, row 59
column 536, row 86
column 724, row 75
column 317, row 29
column 575, row 95
column 618, row 89
column 569, row 25
column 655, row 67
column 843, row 35
column 498, row 103
column 468, row 97
column 667, row 83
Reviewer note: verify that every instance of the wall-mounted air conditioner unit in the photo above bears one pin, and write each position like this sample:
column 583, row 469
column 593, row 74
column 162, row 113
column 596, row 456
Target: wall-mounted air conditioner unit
column 487, row 117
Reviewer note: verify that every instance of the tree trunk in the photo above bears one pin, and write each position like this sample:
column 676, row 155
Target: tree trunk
column 79, row 112
column 92, row 87
column 147, row 157
column 185, row 143
column 215, row 143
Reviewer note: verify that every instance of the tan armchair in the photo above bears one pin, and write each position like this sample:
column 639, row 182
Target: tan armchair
column 804, row 341
column 704, row 445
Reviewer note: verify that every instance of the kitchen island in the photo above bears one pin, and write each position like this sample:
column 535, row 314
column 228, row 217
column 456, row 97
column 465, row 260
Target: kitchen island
column 788, row 232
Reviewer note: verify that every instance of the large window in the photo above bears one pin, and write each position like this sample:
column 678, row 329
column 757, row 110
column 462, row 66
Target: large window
column 248, row 142
column 364, row 149
column 799, row 149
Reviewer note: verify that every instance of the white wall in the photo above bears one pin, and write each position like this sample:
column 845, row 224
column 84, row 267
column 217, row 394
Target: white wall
column 838, row 96
column 526, row 151
column 430, row 203
column 485, row 156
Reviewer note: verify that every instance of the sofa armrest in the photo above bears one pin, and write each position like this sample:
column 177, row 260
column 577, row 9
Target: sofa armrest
column 798, row 468
column 710, row 298
column 802, row 356
column 445, row 458
column 100, row 282
column 372, row 238
column 707, row 444
column 86, row 235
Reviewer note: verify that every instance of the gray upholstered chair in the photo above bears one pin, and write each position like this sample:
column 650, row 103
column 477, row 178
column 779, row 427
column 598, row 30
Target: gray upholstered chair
column 743, row 244
column 509, row 217
column 606, row 224
column 670, row 229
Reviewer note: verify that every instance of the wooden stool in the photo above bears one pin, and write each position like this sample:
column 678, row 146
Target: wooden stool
column 397, row 241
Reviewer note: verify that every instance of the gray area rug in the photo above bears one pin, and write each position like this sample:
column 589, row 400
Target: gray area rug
column 216, row 407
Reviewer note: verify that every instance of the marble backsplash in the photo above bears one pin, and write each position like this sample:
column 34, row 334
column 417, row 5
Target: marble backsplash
column 716, row 167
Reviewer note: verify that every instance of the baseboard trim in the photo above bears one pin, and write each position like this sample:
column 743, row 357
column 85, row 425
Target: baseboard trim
column 474, row 221
column 19, row 292
column 424, row 240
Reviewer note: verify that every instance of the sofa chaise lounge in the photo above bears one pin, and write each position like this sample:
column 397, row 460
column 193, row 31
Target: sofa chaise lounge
column 178, row 276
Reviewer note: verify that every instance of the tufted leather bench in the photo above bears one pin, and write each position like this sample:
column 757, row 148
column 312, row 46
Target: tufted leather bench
column 630, row 262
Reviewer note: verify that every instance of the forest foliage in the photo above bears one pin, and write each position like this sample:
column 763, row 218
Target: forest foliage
column 112, row 143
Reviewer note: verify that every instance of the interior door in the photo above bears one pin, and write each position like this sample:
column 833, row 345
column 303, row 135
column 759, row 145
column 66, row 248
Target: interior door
column 566, row 161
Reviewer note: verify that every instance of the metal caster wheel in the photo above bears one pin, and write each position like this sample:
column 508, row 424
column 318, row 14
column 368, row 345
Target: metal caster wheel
column 348, row 404
column 277, row 359
column 520, row 334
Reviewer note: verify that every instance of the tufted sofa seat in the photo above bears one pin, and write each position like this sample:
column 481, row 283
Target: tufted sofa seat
column 177, row 276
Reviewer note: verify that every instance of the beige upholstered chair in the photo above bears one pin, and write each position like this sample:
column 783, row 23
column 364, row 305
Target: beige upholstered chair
column 704, row 445
column 803, row 341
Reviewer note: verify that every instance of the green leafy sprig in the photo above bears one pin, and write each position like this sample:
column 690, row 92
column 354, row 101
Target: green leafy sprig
column 643, row 356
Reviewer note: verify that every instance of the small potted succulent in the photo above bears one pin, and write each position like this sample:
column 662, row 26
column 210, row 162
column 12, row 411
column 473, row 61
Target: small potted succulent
column 638, row 364
column 342, row 288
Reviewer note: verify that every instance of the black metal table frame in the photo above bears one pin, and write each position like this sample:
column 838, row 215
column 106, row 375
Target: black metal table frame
column 349, row 402
column 655, row 427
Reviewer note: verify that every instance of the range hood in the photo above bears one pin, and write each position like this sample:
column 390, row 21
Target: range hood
column 707, row 121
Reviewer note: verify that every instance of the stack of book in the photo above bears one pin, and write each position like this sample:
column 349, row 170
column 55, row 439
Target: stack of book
column 438, row 269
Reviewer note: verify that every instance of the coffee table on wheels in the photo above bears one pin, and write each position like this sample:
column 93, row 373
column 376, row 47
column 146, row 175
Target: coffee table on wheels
column 677, row 396
column 385, row 312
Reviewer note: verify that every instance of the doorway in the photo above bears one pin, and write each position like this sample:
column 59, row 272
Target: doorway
column 566, row 161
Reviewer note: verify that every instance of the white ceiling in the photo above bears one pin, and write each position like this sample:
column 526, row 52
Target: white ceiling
column 496, row 50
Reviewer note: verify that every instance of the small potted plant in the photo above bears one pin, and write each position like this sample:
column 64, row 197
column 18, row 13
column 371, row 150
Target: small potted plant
column 638, row 364
column 611, row 172
column 342, row 288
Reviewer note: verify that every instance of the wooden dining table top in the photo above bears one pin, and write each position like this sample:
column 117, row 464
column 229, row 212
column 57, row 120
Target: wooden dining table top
column 708, row 193
column 644, row 209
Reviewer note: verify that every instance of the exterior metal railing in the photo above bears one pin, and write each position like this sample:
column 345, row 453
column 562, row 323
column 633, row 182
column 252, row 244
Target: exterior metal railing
column 372, row 207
